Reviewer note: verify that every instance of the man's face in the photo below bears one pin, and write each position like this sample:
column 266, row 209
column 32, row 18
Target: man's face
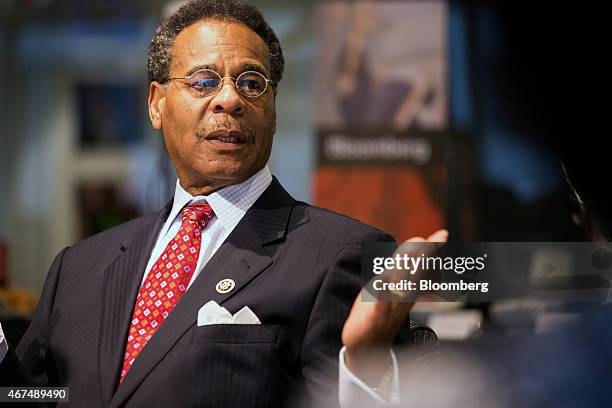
column 195, row 129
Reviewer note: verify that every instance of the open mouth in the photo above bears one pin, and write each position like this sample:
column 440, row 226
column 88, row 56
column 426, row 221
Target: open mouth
column 230, row 137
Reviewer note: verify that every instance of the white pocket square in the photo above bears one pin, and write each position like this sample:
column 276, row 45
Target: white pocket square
column 212, row 313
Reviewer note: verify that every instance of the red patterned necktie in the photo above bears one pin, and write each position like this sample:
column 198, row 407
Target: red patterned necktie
column 166, row 282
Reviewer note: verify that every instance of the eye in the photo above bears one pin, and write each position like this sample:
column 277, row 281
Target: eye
column 251, row 83
column 204, row 81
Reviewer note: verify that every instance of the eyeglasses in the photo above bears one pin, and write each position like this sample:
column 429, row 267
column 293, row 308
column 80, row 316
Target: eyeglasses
column 206, row 82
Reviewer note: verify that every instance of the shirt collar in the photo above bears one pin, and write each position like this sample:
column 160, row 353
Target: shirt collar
column 228, row 203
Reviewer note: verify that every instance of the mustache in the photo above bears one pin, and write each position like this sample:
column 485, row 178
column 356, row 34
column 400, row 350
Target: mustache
column 228, row 125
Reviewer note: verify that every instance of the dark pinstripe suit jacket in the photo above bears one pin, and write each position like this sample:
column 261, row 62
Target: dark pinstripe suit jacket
column 294, row 264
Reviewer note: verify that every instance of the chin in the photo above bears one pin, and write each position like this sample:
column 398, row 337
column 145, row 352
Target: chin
column 233, row 172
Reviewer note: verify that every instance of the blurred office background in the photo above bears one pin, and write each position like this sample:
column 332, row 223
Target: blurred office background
column 444, row 86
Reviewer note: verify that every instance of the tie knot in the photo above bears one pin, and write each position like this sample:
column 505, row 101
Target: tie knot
column 199, row 213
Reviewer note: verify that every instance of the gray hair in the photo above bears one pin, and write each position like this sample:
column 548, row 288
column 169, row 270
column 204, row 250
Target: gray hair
column 159, row 56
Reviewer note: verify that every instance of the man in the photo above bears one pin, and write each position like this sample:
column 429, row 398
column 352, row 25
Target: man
column 110, row 325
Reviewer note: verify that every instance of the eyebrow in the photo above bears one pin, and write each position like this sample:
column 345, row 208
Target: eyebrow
column 254, row 67
column 193, row 69
column 247, row 66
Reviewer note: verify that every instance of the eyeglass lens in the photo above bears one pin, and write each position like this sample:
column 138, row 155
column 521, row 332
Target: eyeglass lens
column 207, row 82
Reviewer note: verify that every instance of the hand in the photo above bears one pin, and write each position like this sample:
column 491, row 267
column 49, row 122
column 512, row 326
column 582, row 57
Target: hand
column 371, row 327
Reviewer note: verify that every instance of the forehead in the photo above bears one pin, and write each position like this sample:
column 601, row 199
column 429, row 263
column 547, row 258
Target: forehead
column 223, row 44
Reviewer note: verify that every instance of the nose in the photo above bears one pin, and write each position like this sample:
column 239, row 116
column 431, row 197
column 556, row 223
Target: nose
column 227, row 99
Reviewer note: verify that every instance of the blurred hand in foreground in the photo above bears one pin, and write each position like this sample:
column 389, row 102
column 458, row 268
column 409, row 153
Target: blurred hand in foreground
column 371, row 327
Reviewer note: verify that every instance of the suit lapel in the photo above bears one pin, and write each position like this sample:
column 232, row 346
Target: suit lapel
column 241, row 257
column 121, row 283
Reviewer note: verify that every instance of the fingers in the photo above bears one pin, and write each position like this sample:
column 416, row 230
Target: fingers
column 415, row 247
column 438, row 236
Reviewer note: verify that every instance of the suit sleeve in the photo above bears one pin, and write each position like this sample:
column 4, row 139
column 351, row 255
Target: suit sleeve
column 32, row 362
column 322, row 341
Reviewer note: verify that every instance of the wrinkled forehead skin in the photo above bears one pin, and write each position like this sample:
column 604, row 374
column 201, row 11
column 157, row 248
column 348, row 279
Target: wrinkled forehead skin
column 222, row 44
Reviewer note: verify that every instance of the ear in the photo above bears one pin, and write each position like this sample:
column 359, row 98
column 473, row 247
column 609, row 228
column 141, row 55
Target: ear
column 157, row 101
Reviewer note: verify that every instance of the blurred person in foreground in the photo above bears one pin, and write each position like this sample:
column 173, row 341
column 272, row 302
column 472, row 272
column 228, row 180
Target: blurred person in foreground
column 567, row 366
column 234, row 294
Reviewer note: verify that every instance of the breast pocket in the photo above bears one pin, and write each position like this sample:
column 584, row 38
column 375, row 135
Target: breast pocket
column 236, row 334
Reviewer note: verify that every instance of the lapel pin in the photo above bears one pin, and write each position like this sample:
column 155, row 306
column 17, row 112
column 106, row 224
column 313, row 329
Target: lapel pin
column 225, row 285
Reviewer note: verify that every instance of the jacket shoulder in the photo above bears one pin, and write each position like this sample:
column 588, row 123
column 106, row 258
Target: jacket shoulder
column 341, row 227
column 118, row 234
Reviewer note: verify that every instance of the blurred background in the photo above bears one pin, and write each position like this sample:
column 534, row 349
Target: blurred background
column 408, row 115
